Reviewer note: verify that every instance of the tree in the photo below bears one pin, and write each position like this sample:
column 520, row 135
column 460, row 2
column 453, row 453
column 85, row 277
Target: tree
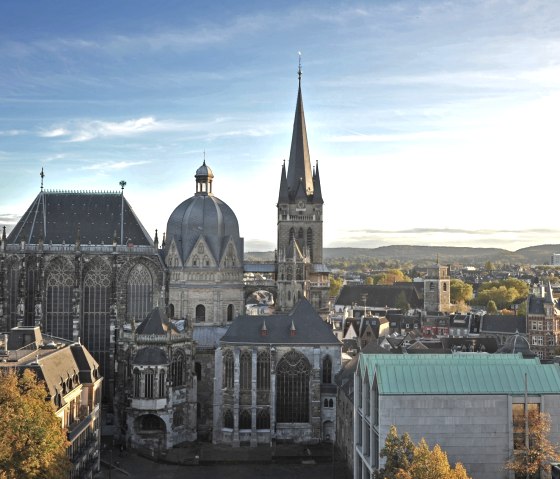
column 460, row 291
column 336, row 285
column 369, row 281
column 399, row 452
column 540, row 452
column 390, row 277
column 491, row 307
column 408, row 461
column 32, row 442
column 489, row 266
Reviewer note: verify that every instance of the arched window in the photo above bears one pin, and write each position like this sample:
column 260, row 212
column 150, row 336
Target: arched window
column 178, row 368
column 161, row 384
column 327, row 370
column 228, row 370
column 60, row 289
column 300, row 233
column 230, row 312
column 136, row 385
column 31, row 293
column 151, row 422
column 244, row 419
column 326, row 403
column 289, row 295
column 263, row 419
column 96, row 320
column 263, row 371
column 198, row 371
column 149, row 384
column 310, row 243
column 178, row 418
column 292, row 388
column 139, row 290
column 245, row 371
column 228, row 418
column 299, row 275
column 170, row 311
column 331, row 403
column 292, row 233
column 195, row 261
column 200, row 313
column 289, row 273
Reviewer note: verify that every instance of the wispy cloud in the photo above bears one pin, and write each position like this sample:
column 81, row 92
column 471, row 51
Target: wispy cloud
column 54, row 133
column 113, row 165
column 12, row 132
column 9, row 219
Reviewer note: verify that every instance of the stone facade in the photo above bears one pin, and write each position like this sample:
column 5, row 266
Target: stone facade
column 437, row 290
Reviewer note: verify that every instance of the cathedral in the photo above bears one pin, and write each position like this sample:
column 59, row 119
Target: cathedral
column 166, row 321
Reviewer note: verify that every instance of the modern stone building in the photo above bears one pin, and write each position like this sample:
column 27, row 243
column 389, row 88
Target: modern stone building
column 73, row 381
column 275, row 379
column 465, row 402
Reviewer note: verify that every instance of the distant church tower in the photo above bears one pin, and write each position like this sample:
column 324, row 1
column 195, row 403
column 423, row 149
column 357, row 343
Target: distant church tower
column 300, row 271
column 437, row 289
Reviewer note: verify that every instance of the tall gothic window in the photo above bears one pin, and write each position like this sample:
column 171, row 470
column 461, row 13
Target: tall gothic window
column 263, row 419
column 292, row 388
column 60, row 285
column 245, row 371
column 228, row 418
column 178, row 368
column 200, row 313
column 327, row 370
column 149, row 384
column 244, row 419
column 13, row 273
column 139, row 289
column 263, row 371
column 30, row 293
column 96, row 320
column 228, row 370
column 230, row 312
column 161, row 384
column 300, row 233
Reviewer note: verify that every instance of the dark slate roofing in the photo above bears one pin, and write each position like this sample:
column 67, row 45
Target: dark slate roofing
column 203, row 216
column 380, row 295
column 494, row 323
column 299, row 166
column 259, row 267
column 345, row 377
column 309, row 328
column 21, row 336
column 156, row 323
column 208, row 336
column 88, row 366
column 535, row 305
column 150, row 357
column 56, row 216
column 373, row 348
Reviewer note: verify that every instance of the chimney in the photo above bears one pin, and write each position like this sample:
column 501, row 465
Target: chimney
column 292, row 329
column 264, row 330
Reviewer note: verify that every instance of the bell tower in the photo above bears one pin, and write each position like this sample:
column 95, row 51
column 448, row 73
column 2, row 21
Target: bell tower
column 300, row 271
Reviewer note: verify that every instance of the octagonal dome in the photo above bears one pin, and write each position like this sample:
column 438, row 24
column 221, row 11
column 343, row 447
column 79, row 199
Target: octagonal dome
column 203, row 215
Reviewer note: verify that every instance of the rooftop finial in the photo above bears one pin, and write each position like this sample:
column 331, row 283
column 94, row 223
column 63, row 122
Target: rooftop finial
column 42, row 175
column 123, row 184
column 299, row 67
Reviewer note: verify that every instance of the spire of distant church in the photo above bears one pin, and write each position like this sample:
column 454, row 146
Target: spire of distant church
column 299, row 165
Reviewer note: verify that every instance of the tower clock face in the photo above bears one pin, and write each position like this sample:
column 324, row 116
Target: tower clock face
column 300, row 205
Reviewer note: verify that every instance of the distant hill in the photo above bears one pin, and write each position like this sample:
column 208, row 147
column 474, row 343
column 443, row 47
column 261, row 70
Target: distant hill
column 427, row 254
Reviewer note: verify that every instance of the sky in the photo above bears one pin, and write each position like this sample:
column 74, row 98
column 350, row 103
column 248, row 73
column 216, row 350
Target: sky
column 433, row 122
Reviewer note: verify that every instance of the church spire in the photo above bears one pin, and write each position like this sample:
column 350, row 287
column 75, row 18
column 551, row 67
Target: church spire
column 299, row 165
column 317, row 195
column 283, row 194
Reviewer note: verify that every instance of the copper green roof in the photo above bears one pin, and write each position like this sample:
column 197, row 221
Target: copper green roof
column 474, row 373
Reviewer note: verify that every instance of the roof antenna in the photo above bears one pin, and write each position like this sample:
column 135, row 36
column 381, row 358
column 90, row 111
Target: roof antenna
column 42, row 175
column 204, row 156
column 299, row 68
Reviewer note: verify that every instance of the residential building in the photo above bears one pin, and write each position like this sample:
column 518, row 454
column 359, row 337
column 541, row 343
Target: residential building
column 543, row 323
column 73, row 381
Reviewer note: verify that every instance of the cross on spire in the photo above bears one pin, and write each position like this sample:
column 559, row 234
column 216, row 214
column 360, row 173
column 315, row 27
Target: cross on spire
column 42, row 175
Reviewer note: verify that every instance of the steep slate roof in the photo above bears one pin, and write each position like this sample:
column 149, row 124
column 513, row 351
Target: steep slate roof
column 208, row 336
column 299, row 165
column 309, row 328
column 156, row 323
column 56, row 216
column 380, row 295
column 459, row 374
column 494, row 323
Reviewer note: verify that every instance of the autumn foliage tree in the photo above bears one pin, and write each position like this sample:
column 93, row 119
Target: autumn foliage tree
column 529, row 459
column 32, row 442
column 405, row 460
